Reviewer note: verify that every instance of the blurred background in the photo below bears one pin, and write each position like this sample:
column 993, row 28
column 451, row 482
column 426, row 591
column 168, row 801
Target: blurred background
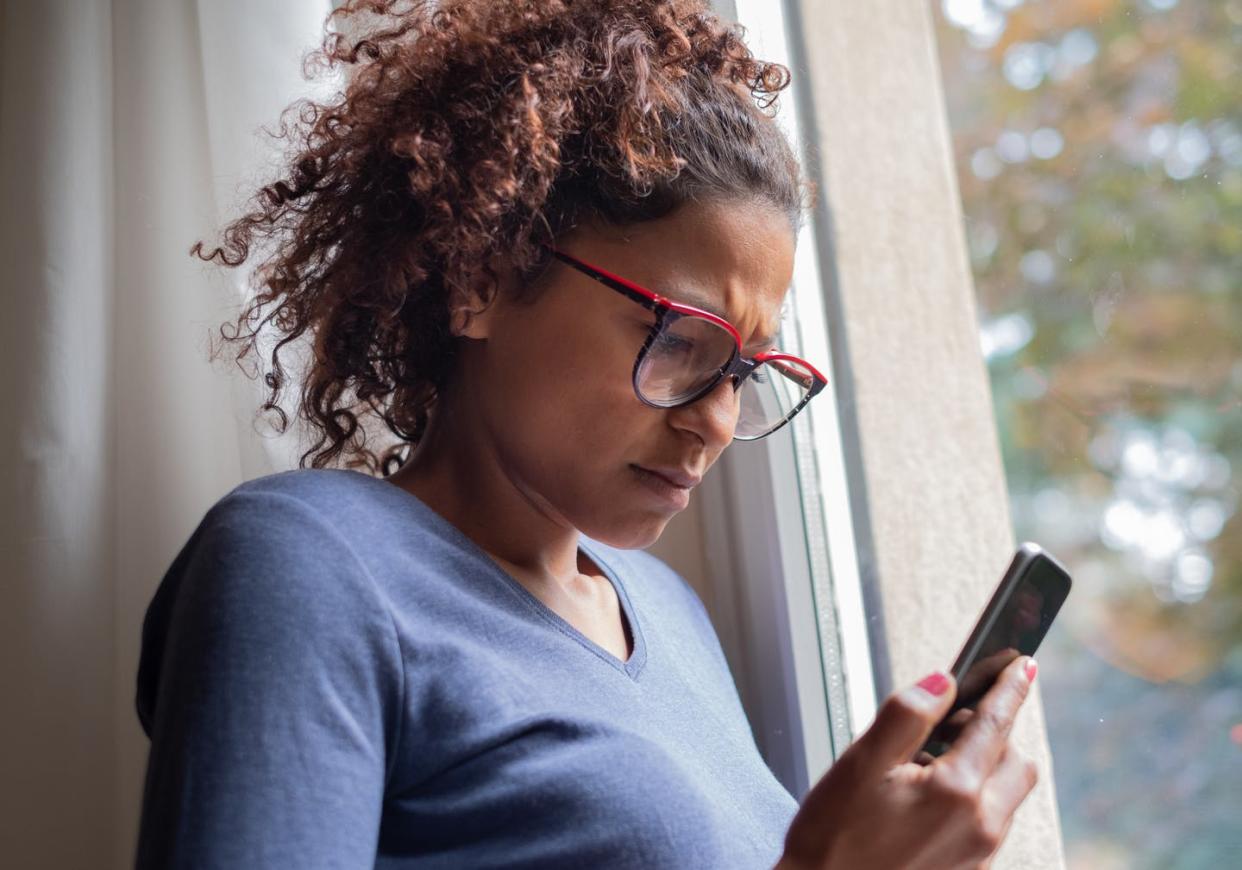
column 1098, row 146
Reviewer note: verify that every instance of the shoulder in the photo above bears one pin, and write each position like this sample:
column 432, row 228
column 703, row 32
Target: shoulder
column 274, row 541
column 309, row 542
column 265, row 580
column 324, row 491
column 278, row 517
column 317, row 507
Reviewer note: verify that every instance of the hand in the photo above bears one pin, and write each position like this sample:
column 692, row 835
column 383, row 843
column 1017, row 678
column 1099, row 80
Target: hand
column 980, row 677
column 875, row 810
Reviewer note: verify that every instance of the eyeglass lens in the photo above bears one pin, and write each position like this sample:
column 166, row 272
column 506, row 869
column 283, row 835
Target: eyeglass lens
column 688, row 354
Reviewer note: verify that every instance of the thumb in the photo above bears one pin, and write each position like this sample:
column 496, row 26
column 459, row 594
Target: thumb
column 905, row 720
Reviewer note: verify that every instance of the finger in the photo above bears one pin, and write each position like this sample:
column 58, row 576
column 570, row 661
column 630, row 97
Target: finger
column 986, row 864
column 984, row 672
column 960, row 718
column 1014, row 778
column 950, row 729
column 904, row 721
column 982, row 741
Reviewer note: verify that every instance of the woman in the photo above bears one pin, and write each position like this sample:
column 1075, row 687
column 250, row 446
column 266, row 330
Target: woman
column 542, row 248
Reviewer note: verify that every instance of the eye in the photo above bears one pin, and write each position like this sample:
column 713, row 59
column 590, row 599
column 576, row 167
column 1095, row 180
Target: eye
column 669, row 343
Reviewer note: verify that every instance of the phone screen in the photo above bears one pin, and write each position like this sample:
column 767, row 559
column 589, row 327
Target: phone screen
column 1013, row 624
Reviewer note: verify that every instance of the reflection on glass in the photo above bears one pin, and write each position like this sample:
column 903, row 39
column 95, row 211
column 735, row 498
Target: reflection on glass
column 1099, row 155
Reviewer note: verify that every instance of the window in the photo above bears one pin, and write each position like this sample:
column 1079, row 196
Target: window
column 1099, row 151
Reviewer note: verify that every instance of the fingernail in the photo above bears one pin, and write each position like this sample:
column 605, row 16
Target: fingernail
column 934, row 684
column 1031, row 669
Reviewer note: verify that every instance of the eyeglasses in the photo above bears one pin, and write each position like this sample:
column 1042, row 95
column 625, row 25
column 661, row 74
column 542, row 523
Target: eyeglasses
column 688, row 352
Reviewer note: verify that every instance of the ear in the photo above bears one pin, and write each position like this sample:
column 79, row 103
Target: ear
column 473, row 308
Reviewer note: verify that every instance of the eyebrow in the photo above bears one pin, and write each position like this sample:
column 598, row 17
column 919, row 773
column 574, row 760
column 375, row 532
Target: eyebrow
column 691, row 297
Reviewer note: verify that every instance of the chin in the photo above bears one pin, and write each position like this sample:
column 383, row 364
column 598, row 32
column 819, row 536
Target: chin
column 636, row 534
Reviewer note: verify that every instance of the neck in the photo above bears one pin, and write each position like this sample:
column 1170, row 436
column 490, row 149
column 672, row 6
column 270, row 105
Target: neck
column 459, row 471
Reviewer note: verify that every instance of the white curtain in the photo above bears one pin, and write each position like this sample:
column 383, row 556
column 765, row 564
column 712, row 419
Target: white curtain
column 128, row 130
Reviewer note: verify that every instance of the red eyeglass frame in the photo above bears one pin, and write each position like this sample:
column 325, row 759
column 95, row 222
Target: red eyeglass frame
column 667, row 311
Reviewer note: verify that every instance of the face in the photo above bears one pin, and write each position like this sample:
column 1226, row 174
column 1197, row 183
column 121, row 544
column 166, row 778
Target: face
column 551, row 379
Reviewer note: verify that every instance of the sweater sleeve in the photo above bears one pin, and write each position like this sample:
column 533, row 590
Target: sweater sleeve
column 270, row 684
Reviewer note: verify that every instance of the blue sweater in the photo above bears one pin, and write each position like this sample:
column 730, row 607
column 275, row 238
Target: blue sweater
column 333, row 675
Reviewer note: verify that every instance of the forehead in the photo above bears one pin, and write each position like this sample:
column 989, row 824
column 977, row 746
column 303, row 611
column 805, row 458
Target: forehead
column 769, row 322
column 734, row 260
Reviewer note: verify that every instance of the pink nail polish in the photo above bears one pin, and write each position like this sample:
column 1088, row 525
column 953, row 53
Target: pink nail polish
column 1031, row 669
column 934, row 683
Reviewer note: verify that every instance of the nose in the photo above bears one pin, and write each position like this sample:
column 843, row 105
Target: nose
column 712, row 417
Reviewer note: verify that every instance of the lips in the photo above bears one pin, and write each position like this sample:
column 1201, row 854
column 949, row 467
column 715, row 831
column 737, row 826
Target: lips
column 675, row 476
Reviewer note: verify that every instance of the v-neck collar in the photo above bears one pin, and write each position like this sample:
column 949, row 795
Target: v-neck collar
column 632, row 667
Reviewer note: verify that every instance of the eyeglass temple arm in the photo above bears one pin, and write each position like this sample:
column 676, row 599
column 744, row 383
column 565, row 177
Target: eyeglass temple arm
column 645, row 298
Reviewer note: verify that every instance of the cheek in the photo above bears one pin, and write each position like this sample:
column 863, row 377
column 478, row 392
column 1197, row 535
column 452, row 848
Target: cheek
column 568, row 393
column 596, row 405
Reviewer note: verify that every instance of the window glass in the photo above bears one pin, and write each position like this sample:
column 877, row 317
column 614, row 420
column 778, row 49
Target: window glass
column 1099, row 154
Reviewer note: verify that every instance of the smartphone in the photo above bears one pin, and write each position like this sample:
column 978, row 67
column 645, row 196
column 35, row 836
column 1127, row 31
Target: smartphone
column 1013, row 623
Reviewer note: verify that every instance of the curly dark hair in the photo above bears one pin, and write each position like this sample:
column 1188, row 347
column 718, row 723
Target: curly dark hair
column 470, row 128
